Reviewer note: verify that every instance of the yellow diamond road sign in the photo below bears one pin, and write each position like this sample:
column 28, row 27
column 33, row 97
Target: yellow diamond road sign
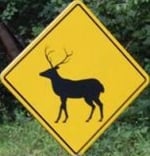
column 75, row 78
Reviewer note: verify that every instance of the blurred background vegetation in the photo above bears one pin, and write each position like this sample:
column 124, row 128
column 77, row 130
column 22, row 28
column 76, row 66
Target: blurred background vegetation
column 129, row 22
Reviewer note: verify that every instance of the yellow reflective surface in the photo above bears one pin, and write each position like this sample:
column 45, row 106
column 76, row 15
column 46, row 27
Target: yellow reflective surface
column 95, row 54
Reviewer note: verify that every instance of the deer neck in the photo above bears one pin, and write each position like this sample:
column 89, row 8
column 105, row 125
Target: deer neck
column 55, row 78
column 56, row 81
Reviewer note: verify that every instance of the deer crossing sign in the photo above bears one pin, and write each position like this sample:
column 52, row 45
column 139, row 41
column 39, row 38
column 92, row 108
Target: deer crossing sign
column 88, row 89
column 75, row 78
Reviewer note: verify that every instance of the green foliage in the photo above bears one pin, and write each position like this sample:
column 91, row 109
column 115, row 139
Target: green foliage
column 123, row 139
column 6, row 112
column 29, row 17
column 128, row 20
column 9, row 12
column 22, row 138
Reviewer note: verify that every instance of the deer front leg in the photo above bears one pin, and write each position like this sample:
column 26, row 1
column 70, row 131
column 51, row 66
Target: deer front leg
column 62, row 107
column 59, row 114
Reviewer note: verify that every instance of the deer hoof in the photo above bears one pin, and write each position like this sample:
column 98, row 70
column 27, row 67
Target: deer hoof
column 100, row 120
column 87, row 120
column 64, row 121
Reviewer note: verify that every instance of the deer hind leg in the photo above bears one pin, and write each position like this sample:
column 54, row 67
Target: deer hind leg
column 62, row 108
column 100, row 105
column 90, row 103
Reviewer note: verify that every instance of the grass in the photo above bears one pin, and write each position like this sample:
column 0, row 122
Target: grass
column 128, row 136
column 27, row 138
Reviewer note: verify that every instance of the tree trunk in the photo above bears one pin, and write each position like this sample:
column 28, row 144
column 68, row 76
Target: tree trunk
column 12, row 46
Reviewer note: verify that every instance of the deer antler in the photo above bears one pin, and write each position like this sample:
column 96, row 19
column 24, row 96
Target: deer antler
column 47, row 56
column 65, row 60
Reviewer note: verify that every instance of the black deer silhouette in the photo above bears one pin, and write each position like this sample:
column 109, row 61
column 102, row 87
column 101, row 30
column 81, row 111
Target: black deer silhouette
column 89, row 89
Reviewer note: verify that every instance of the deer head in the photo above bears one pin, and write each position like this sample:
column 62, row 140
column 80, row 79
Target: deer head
column 49, row 73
